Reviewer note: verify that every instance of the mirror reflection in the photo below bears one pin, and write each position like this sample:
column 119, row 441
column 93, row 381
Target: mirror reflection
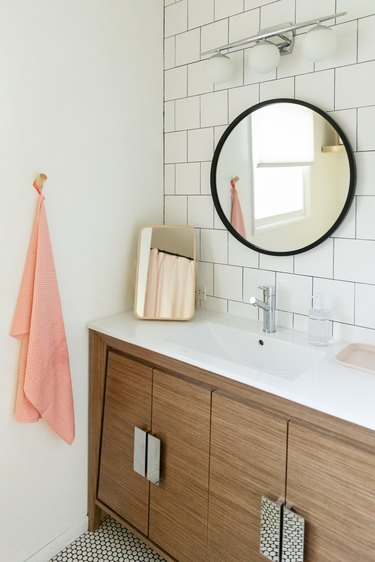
column 282, row 177
column 166, row 273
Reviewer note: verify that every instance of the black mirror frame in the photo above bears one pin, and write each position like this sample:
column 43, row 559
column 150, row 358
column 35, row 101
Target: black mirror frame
column 352, row 181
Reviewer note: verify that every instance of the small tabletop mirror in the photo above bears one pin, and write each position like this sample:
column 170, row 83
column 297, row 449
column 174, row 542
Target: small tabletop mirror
column 166, row 273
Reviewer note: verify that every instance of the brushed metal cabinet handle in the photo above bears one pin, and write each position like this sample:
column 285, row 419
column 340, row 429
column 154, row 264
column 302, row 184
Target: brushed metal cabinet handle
column 153, row 459
column 139, row 453
column 293, row 538
column 270, row 529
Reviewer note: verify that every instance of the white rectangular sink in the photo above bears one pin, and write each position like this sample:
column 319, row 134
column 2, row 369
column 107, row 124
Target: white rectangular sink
column 262, row 352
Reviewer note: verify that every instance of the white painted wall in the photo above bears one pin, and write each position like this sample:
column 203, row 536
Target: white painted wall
column 81, row 100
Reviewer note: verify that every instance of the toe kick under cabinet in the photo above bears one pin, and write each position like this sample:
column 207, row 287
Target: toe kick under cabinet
column 204, row 468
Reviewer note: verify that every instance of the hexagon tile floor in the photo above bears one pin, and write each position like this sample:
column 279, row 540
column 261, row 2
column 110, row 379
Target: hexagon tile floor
column 110, row 543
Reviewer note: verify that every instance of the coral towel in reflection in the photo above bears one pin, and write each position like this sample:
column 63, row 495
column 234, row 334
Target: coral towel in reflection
column 236, row 218
column 44, row 386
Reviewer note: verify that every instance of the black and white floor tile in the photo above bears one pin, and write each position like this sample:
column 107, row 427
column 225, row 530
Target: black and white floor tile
column 112, row 543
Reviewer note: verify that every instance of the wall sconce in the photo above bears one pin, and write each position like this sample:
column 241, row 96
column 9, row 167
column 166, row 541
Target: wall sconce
column 268, row 45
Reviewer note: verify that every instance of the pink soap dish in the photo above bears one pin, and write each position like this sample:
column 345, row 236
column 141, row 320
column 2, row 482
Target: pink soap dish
column 359, row 356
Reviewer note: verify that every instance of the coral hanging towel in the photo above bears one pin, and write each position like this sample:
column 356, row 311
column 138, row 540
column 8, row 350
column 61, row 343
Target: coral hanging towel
column 44, row 387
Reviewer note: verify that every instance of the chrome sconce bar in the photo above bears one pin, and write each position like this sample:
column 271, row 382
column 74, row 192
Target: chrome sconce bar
column 268, row 44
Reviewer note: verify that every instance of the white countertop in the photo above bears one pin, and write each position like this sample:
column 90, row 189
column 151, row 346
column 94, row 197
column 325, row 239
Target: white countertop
column 327, row 386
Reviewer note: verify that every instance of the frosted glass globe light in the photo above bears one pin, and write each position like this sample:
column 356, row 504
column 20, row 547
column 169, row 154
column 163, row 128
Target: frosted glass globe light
column 264, row 57
column 319, row 43
column 219, row 68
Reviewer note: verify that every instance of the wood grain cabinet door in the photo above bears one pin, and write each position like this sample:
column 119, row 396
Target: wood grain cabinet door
column 331, row 483
column 127, row 404
column 248, row 461
column 178, row 506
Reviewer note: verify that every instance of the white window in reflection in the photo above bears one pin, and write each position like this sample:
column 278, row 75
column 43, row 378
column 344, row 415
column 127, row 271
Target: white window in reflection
column 283, row 133
column 282, row 154
column 280, row 193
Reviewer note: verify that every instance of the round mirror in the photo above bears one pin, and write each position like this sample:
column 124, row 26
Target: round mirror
column 283, row 177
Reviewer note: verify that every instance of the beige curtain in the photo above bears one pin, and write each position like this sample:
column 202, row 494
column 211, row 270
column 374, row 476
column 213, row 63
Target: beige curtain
column 170, row 289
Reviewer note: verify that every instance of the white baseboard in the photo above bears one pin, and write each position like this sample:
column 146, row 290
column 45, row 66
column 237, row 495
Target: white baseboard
column 59, row 543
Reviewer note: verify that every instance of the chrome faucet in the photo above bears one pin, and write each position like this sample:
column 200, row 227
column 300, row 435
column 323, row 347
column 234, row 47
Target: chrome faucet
column 268, row 305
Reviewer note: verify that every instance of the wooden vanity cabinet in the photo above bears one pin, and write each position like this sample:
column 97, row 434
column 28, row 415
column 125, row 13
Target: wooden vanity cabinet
column 326, row 479
column 331, row 483
column 127, row 405
column 224, row 445
column 248, row 461
column 176, row 410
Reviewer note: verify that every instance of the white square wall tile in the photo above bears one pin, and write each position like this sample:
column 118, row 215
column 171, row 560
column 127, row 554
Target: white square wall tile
column 365, row 173
column 169, row 179
column 355, row 260
column 348, row 226
column 188, row 47
column 317, row 262
column 169, row 122
column 366, row 45
column 310, row 10
column 214, row 35
column 317, row 88
column 283, row 88
column 200, row 12
column 276, row 263
column 241, row 99
column 353, row 334
column 188, row 178
column 338, row 298
column 228, row 282
column 176, row 18
column 200, row 144
column 205, row 178
column 200, row 211
column 175, row 81
column 253, row 278
column 243, row 25
column 366, row 128
column 187, row 113
column 277, row 12
column 250, row 4
column 365, row 217
column 214, row 245
column 363, row 76
column 300, row 322
column 239, row 254
column 175, row 209
column 346, row 52
column 225, row 8
column 355, row 8
column 218, row 133
column 293, row 293
column 175, row 147
column 365, row 306
column 347, row 120
column 206, row 277
column 214, row 109
column 170, row 52
column 215, row 304
column 198, row 83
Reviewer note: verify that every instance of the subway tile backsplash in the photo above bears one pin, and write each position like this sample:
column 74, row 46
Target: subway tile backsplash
column 197, row 113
